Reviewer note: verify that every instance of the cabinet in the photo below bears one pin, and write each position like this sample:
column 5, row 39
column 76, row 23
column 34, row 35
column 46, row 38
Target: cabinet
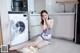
column 63, row 26
column 34, row 25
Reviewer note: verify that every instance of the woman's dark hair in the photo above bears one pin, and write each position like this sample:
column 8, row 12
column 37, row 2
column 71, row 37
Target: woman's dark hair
column 43, row 11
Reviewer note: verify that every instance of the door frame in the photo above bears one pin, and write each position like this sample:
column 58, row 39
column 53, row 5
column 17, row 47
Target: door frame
column 1, row 39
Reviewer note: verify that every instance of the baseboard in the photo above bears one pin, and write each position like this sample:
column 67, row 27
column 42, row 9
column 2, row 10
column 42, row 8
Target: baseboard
column 63, row 38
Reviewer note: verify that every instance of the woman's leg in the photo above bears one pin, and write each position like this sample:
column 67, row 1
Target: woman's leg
column 34, row 43
column 26, row 44
column 16, row 47
column 42, row 44
column 37, row 41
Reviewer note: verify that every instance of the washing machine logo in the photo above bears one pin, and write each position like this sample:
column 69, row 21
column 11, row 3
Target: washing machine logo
column 21, row 26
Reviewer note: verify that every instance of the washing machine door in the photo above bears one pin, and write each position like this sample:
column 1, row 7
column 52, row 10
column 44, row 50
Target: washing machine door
column 19, row 30
column 20, row 25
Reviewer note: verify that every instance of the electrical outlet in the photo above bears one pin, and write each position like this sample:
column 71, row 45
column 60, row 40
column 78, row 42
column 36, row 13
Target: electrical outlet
column 4, row 48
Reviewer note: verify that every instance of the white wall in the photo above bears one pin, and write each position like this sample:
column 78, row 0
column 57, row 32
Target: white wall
column 51, row 6
column 9, row 5
column 39, row 5
column 59, row 7
column 4, row 20
column 70, row 7
column 43, row 5
column 31, row 5
column 56, row 7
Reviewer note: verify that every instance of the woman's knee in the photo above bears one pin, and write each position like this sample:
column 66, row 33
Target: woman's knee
column 39, row 46
column 37, row 42
column 34, row 43
column 43, row 44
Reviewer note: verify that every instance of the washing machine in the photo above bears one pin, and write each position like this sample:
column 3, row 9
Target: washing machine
column 18, row 27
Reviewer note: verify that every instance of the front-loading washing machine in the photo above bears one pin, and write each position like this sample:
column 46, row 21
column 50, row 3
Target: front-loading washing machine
column 18, row 25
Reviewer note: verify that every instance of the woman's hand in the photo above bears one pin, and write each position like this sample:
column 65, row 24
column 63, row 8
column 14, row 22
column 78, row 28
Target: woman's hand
column 43, row 18
column 46, row 21
column 49, row 23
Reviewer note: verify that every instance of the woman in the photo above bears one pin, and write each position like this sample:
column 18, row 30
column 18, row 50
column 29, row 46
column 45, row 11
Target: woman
column 45, row 36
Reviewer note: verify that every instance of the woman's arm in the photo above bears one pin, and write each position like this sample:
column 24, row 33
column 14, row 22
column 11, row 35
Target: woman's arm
column 43, row 27
column 49, row 23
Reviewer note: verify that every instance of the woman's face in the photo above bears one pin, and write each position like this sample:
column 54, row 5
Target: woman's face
column 44, row 15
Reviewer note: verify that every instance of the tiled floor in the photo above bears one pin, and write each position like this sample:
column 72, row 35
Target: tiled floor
column 59, row 46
